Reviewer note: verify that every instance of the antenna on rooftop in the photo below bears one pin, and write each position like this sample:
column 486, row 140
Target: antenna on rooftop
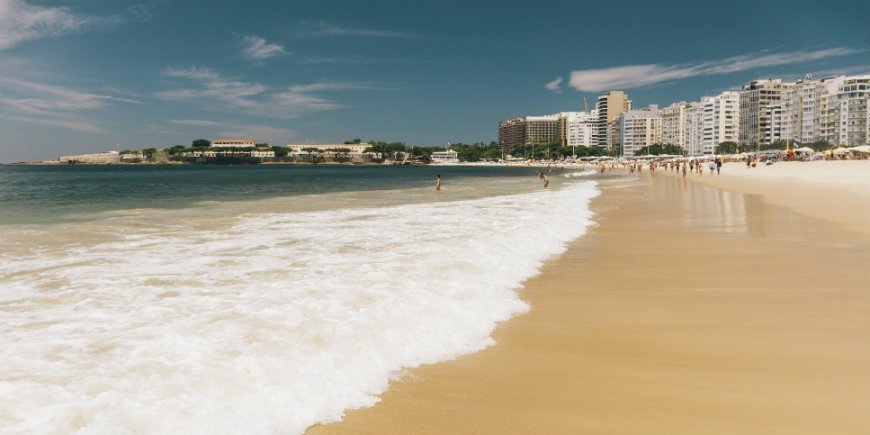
column 585, row 104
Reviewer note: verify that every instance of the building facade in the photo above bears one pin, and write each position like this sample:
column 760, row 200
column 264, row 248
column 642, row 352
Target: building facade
column 721, row 120
column 578, row 128
column 236, row 143
column 609, row 106
column 674, row 124
column 850, row 112
column 639, row 128
column 755, row 98
column 542, row 129
column 694, row 129
column 511, row 133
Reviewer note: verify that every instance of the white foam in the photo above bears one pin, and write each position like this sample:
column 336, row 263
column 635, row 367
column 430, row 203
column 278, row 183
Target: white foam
column 270, row 325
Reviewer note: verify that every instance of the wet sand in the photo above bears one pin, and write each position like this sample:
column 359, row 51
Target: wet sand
column 688, row 309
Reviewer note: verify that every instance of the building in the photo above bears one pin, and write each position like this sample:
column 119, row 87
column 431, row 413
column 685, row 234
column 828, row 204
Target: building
column 448, row 156
column 694, row 129
column 849, row 112
column 236, row 143
column 356, row 149
column 577, row 128
column 639, row 128
column 107, row 157
column 720, row 121
column 609, row 106
column 542, row 130
column 755, row 99
column 511, row 133
column 674, row 124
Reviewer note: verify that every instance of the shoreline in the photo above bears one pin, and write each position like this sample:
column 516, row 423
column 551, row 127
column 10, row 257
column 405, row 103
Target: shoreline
column 734, row 315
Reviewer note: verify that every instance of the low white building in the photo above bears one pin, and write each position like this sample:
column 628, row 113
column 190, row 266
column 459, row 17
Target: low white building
column 235, row 143
column 355, row 148
column 639, row 128
column 99, row 158
column 448, row 156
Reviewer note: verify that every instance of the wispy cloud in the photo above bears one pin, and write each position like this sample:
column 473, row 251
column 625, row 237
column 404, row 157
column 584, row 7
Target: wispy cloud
column 555, row 85
column 20, row 22
column 53, row 105
column 325, row 29
column 218, row 93
column 635, row 76
column 81, row 125
column 258, row 48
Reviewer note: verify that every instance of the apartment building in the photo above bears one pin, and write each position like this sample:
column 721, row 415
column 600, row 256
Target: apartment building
column 720, row 120
column 755, row 98
column 674, row 124
column 578, row 128
column 609, row 106
column 850, row 112
column 639, row 128
column 694, row 129
column 511, row 133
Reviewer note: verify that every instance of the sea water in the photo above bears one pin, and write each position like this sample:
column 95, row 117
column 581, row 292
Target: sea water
column 254, row 299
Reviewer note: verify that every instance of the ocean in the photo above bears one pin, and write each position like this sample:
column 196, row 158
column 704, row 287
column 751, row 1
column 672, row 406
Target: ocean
column 254, row 299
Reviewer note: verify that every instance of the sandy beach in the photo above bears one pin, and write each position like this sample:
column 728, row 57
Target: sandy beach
column 717, row 307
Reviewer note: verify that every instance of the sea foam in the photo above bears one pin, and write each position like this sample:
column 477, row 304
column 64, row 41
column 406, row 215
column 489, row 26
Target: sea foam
column 269, row 325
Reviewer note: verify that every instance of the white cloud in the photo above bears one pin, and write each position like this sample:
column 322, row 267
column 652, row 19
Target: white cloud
column 635, row 76
column 53, row 105
column 218, row 93
column 20, row 22
column 322, row 28
column 258, row 48
column 554, row 85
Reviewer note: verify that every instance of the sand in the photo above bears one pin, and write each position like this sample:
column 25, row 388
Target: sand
column 688, row 309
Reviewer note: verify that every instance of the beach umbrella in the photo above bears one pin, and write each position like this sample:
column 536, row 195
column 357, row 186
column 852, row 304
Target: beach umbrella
column 805, row 150
column 861, row 149
column 840, row 150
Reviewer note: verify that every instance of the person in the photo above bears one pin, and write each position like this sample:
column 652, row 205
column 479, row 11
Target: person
column 718, row 165
column 691, row 166
column 712, row 166
column 631, row 168
column 748, row 161
column 546, row 180
column 438, row 182
column 684, row 169
column 700, row 169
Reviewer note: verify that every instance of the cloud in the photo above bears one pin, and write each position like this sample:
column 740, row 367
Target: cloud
column 81, row 125
column 324, row 29
column 635, row 76
column 20, row 22
column 221, row 94
column 554, row 85
column 53, row 105
column 258, row 48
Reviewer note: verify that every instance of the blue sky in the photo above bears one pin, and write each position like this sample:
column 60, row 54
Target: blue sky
column 105, row 74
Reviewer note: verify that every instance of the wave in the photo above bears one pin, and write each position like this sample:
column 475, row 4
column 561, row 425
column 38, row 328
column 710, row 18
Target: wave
column 271, row 324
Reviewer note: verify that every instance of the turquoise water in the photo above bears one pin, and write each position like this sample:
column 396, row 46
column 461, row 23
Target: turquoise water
column 44, row 194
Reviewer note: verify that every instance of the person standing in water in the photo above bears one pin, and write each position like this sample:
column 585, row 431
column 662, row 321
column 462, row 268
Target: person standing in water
column 438, row 182
column 546, row 180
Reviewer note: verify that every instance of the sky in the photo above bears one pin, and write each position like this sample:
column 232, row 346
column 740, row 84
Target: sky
column 96, row 75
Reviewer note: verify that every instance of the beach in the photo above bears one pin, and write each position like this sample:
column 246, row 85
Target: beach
column 712, row 305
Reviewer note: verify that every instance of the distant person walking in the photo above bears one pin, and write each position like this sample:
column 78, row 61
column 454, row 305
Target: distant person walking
column 718, row 165
column 546, row 179
column 438, row 182
column 684, row 169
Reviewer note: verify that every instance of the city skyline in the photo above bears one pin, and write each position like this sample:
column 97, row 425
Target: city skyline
column 86, row 77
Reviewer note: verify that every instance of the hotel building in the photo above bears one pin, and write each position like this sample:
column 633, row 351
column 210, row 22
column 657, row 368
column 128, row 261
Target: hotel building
column 721, row 120
column 236, row 143
column 674, row 124
column 694, row 129
column 511, row 133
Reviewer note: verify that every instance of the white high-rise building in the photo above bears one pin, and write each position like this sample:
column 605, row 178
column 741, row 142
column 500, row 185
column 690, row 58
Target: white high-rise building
column 578, row 128
column 803, row 105
column 694, row 128
column 850, row 112
column 721, row 120
column 674, row 124
column 639, row 128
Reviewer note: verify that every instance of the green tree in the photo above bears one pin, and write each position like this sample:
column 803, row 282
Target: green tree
column 659, row 149
column 149, row 152
column 728, row 147
column 341, row 154
column 353, row 141
column 200, row 143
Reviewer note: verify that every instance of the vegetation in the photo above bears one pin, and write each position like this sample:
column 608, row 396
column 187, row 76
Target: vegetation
column 657, row 149
column 735, row 148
